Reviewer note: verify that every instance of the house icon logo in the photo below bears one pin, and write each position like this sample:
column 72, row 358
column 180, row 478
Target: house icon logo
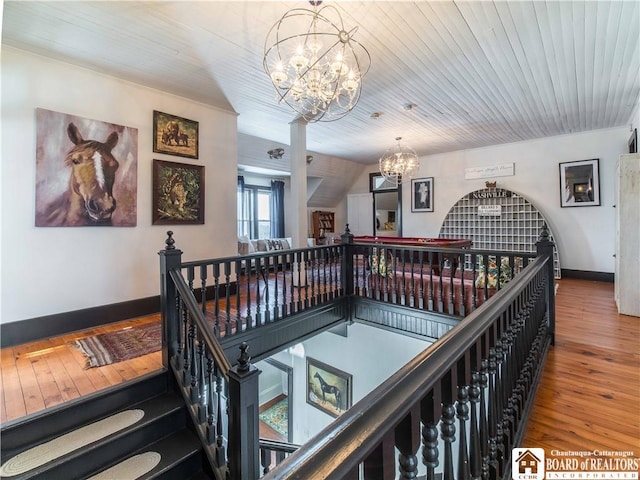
column 527, row 464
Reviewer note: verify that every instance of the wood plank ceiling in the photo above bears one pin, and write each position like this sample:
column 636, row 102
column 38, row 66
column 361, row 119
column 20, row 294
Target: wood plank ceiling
column 479, row 72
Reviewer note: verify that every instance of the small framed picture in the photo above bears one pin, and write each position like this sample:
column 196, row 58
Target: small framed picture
column 175, row 135
column 178, row 193
column 328, row 388
column 422, row 194
column 580, row 183
column 633, row 141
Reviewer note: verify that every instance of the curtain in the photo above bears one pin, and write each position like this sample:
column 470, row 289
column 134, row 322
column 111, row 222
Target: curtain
column 241, row 206
column 277, row 209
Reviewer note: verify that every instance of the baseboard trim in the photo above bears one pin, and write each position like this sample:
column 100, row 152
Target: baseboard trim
column 587, row 275
column 32, row 329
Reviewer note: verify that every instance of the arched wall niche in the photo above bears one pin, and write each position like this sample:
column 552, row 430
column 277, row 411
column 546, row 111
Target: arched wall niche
column 497, row 219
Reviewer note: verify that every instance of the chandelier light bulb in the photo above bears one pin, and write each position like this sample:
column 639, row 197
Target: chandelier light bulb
column 278, row 76
column 317, row 71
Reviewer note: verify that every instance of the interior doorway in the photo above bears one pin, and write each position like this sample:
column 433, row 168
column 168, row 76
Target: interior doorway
column 276, row 397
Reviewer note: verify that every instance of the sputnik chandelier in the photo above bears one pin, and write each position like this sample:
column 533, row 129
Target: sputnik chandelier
column 314, row 63
column 399, row 163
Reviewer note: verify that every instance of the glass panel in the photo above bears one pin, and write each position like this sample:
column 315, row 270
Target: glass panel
column 264, row 214
column 378, row 182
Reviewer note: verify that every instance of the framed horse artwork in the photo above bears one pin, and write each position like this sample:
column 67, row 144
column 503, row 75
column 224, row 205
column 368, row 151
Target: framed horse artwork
column 328, row 388
column 86, row 172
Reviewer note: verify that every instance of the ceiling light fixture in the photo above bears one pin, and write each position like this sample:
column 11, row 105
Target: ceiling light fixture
column 314, row 63
column 276, row 153
column 399, row 163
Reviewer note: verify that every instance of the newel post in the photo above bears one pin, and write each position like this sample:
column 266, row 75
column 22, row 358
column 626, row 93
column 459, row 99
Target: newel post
column 244, row 448
column 346, row 267
column 544, row 248
column 170, row 258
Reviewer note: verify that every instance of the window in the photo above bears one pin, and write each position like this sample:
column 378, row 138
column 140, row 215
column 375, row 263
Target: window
column 254, row 216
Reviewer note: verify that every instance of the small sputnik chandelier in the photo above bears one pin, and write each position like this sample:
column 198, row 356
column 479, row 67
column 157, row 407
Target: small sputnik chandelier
column 314, row 63
column 399, row 163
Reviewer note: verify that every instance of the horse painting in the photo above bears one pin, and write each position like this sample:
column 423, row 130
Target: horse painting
column 330, row 389
column 89, row 167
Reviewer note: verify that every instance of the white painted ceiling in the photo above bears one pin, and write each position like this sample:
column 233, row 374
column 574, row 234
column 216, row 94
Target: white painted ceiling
column 480, row 72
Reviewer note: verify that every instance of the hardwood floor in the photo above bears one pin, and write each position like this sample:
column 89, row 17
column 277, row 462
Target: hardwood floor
column 589, row 394
column 588, row 398
column 49, row 372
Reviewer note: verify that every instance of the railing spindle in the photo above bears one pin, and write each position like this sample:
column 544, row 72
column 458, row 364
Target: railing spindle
column 475, row 453
column 448, row 431
column 462, row 410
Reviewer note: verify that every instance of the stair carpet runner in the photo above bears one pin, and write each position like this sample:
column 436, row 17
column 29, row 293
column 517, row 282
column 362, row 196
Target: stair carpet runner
column 47, row 452
column 143, row 433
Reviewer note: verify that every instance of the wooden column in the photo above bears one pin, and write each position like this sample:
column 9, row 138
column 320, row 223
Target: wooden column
column 298, row 206
column 170, row 258
column 544, row 247
column 244, row 460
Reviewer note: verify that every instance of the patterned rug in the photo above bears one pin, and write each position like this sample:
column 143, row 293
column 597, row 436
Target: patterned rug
column 125, row 344
column 276, row 417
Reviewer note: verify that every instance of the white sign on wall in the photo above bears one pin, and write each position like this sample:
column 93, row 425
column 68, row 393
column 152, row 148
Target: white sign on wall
column 503, row 170
column 489, row 210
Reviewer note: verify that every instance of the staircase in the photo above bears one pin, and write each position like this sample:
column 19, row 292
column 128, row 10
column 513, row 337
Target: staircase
column 152, row 424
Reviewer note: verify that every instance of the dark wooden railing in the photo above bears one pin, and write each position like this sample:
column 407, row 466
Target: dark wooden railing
column 481, row 375
column 323, row 286
column 291, row 281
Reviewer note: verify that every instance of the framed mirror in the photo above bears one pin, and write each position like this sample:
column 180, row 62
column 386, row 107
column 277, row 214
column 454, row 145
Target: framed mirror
column 387, row 206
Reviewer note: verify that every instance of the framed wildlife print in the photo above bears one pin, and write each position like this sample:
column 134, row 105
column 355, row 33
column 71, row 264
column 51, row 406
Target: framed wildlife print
column 175, row 135
column 178, row 193
column 328, row 388
column 580, row 183
column 422, row 194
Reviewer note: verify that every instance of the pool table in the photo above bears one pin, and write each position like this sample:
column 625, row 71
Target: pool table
column 416, row 241
column 421, row 242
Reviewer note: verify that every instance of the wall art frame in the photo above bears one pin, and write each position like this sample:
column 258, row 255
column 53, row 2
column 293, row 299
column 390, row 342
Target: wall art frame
column 178, row 193
column 86, row 172
column 633, row 141
column 580, row 183
column 328, row 388
column 422, row 194
column 175, row 135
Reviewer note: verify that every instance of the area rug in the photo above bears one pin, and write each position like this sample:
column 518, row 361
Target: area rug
column 125, row 344
column 276, row 417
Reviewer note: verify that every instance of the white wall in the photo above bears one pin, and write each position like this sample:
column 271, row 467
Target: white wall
column 357, row 354
column 585, row 235
column 51, row 270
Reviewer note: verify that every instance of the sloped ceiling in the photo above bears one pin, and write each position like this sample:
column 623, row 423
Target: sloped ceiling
column 478, row 72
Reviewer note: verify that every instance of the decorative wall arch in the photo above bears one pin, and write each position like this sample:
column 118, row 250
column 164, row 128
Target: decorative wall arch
column 497, row 219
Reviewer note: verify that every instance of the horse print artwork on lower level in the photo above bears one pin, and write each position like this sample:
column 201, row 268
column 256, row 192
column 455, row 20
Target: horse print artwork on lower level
column 328, row 388
column 86, row 172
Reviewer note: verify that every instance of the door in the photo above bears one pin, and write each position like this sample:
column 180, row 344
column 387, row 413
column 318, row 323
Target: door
column 360, row 213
